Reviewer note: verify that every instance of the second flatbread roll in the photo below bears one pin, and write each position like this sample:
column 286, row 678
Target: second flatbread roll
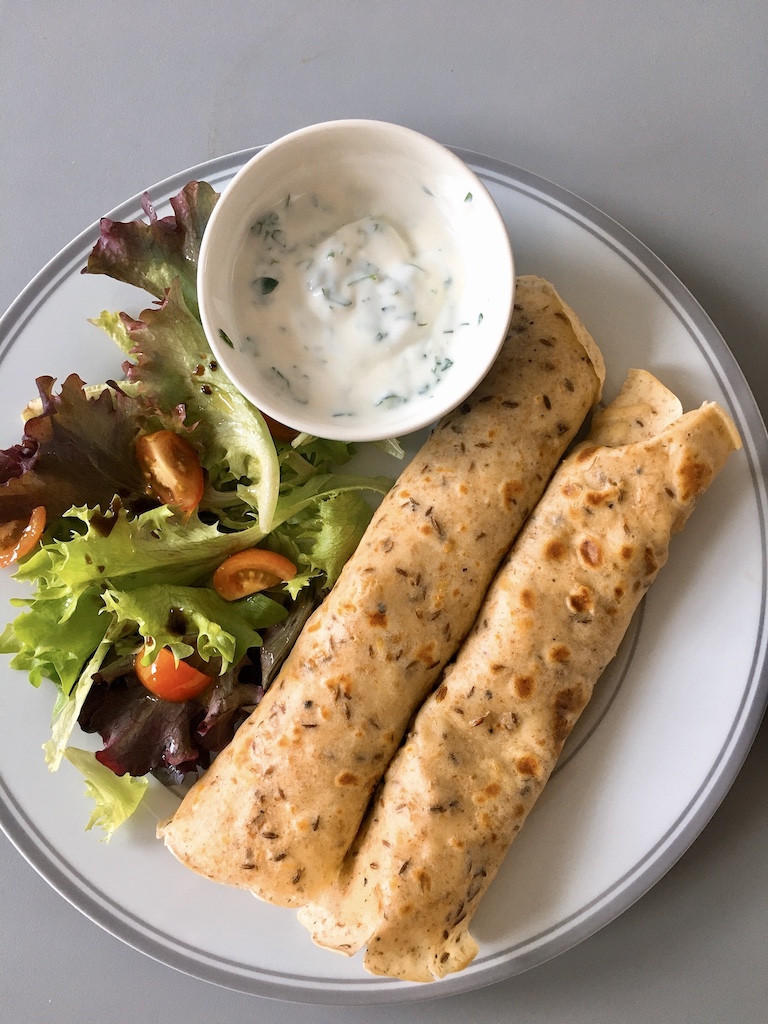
column 485, row 742
column 281, row 805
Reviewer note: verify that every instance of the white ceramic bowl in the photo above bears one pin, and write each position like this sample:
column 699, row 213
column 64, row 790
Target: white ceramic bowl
column 402, row 302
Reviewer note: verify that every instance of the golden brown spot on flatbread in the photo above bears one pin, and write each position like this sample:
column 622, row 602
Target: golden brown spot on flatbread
column 559, row 653
column 509, row 489
column 424, row 880
column 618, row 592
column 426, row 654
column 586, row 454
column 627, row 551
column 519, row 810
column 528, row 764
column 555, row 550
column 528, row 599
column 524, row 686
column 590, row 553
column 596, row 498
column 377, row 618
column 570, row 490
column 567, row 703
column 493, row 789
column 694, row 478
column 580, row 601
column 346, row 779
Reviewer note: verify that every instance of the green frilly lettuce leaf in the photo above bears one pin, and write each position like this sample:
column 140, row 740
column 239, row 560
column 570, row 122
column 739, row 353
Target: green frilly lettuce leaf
column 174, row 371
column 115, row 797
column 223, row 629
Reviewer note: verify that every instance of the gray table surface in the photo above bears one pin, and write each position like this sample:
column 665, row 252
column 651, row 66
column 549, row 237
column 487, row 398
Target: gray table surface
column 655, row 113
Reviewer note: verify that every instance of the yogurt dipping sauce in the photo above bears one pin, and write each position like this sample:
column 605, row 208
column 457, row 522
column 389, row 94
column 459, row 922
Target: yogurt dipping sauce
column 348, row 318
column 355, row 280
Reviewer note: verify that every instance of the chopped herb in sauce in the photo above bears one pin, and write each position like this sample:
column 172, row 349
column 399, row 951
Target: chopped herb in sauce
column 265, row 285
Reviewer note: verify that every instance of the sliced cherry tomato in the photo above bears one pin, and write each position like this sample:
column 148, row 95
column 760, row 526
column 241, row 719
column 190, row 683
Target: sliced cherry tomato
column 171, row 469
column 250, row 571
column 279, row 430
column 18, row 537
column 168, row 680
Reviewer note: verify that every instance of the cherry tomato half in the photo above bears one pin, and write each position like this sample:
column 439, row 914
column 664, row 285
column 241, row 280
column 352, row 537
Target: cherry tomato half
column 18, row 537
column 249, row 571
column 171, row 469
column 168, row 680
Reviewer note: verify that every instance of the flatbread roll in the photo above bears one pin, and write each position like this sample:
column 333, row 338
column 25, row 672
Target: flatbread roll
column 484, row 744
column 279, row 808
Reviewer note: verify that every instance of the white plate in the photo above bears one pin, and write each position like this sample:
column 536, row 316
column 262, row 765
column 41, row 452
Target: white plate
column 654, row 754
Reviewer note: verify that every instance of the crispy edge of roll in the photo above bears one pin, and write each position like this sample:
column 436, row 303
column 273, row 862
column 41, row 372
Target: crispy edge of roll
column 485, row 743
column 281, row 805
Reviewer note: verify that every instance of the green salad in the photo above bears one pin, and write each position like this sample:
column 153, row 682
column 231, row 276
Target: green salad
column 174, row 541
